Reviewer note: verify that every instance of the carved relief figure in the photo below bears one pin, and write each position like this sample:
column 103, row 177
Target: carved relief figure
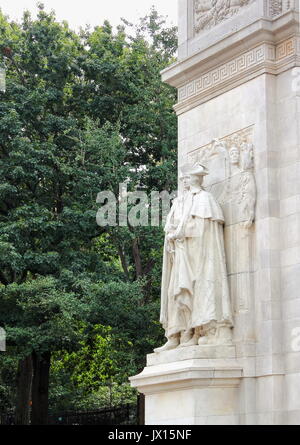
column 231, row 179
column 243, row 189
column 195, row 303
column 209, row 13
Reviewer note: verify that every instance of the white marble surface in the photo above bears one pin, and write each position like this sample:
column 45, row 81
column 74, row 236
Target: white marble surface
column 191, row 391
column 192, row 352
column 264, row 264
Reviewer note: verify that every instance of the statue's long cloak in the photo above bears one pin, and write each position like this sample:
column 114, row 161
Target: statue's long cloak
column 195, row 272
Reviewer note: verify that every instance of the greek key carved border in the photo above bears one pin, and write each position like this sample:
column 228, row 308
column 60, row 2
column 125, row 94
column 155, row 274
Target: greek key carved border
column 238, row 66
column 286, row 49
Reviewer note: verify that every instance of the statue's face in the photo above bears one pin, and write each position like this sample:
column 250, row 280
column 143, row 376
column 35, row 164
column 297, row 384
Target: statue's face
column 234, row 155
column 184, row 180
column 192, row 181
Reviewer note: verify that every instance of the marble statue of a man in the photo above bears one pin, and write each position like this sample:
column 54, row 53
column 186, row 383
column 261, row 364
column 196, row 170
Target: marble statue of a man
column 195, row 302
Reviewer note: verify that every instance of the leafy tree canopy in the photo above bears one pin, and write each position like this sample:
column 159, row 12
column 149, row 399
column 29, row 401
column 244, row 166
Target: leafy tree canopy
column 82, row 112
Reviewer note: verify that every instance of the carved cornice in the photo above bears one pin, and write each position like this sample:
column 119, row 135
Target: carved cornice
column 225, row 72
column 263, row 46
column 266, row 57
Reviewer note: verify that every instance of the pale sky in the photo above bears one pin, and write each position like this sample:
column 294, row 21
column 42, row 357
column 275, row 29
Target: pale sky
column 94, row 12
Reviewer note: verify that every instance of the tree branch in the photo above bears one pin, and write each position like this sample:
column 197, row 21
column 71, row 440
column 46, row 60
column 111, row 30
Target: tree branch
column 137, row 258
column 123, row 261
column 149, row 266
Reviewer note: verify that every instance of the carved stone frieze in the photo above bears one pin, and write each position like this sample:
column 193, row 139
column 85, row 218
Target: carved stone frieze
column 275, row 8
column 231, row 163
column 209, row 13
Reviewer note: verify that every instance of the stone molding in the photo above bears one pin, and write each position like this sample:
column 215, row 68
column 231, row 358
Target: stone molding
column 222, row 73
column 209, row 66
column 269, row 57
column 192, row 352
column 191, row 373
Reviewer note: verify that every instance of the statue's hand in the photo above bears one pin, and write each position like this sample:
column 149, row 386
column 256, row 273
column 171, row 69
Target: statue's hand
column 170, row 228
column 175, row 236
column 248, row 224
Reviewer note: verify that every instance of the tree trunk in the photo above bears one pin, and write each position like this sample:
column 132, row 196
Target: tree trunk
column 123, row 261
column 24, row 382
column 137, row 258
column 40, row 388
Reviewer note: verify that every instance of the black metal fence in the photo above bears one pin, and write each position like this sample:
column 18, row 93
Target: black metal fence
column 7, row 419
column 122, row 415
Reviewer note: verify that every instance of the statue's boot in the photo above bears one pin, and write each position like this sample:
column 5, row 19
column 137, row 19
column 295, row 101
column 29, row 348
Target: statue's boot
column 172, row 343
column 203, row 340
column 191, row 342
column 185, row 337
column 224, row 335
column 208, row 338
column 220, row 336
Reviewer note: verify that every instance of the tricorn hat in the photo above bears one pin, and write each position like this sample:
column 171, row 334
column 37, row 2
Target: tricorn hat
column 194, row 169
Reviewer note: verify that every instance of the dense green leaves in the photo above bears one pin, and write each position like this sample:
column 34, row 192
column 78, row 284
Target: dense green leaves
column 81, row 114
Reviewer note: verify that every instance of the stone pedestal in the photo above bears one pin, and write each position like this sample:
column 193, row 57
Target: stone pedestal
column 184, row 387
column 238, row 82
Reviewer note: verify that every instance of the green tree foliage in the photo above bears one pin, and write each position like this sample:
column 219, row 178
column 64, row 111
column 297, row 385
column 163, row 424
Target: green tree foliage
column 98, row 368
column 82, row 112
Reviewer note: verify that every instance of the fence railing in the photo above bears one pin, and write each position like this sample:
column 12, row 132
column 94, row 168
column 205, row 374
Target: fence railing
column 121, row 415
column 7, row 419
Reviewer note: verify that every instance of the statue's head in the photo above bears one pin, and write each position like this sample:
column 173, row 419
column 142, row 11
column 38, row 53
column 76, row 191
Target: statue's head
column 185, row 182
column 193, row 175
column 234, row 154
column 194, row 180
